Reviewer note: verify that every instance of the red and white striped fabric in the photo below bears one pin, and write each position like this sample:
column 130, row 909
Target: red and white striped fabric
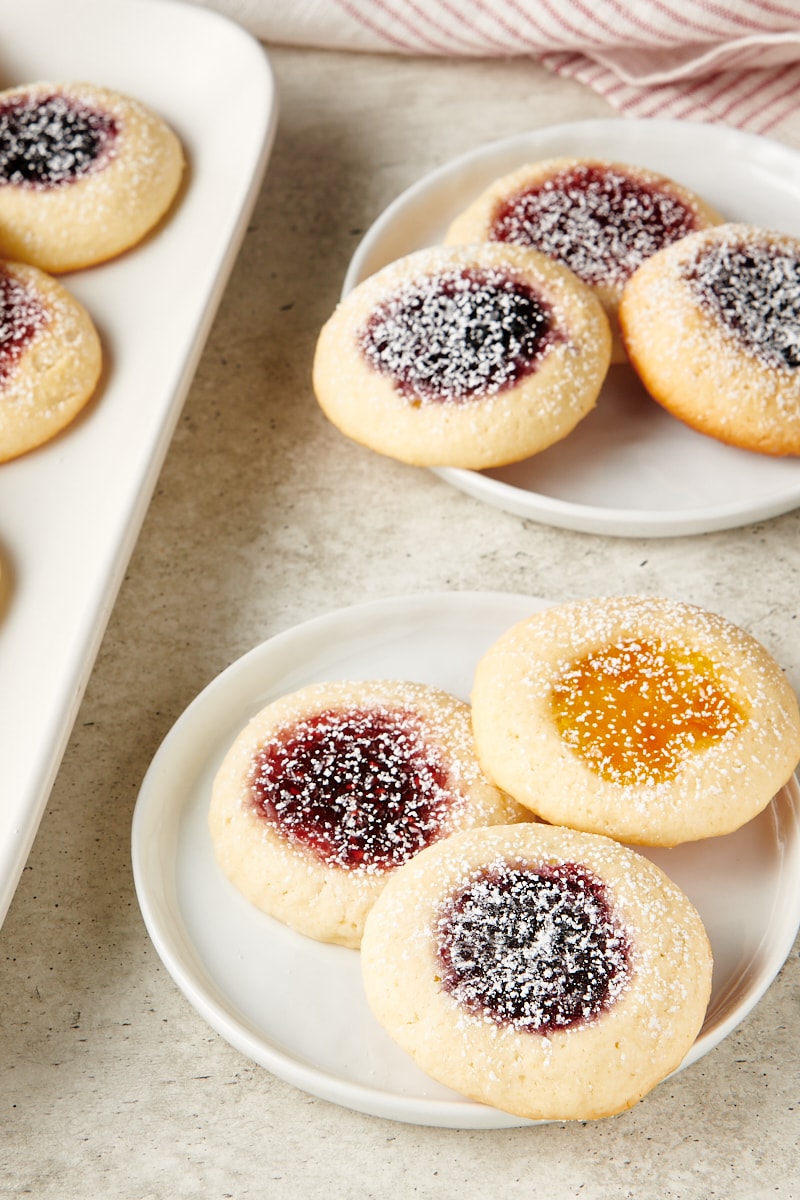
column 736, row 61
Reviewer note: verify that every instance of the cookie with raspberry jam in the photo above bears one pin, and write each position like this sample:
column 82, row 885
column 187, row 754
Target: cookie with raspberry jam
column 712, row 327
column 601, row 219
column 50, row 358
column 327, row 791
column 463, row 357
column 85, row 173
column 549, row 973
column 643, row 718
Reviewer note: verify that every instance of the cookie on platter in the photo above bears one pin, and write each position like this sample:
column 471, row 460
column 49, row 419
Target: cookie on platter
column 646, row 719
column 712, row 327
column 601, row 219
column 463, row 356
column 327, row 791
column 552, row 974
column 85, row 173
column 50, row 358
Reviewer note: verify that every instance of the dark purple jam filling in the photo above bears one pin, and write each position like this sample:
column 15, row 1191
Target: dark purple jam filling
column 754, row 290
column 536, row 948
column 600, row 223
column 361, row 789
column 22, row 315
column 48, row 141
column 462, row 334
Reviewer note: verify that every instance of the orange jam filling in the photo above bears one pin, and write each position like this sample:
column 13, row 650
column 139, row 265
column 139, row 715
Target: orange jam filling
column 634, row 711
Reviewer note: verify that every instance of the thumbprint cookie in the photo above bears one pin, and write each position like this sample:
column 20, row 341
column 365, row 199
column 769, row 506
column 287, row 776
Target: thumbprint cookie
column 463, row 356
column 712, row 327
column 601, row 219
column 50, row 358
column 646, row 719
column 85, row 173
column 327, row 791
column 552, row 974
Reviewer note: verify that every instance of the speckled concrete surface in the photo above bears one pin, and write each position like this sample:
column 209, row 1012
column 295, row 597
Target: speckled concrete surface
column 113, row 1086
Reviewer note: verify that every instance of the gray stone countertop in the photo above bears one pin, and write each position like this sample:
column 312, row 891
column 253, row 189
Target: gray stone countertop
column 113, row 1085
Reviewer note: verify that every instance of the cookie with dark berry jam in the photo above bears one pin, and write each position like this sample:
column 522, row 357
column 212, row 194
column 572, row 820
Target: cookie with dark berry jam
column 463, row 356
column 328, row 791
column 553, row 974
column 85, row 173
column 601, row 219
column 486, row 930
column 50, row 358
column 712, row 327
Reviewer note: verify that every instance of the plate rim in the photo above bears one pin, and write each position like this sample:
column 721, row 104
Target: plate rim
column 28, row 777
column 215, row 1008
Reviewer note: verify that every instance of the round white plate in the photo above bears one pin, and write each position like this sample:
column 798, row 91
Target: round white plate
column 296, row 1006
column 629, row 468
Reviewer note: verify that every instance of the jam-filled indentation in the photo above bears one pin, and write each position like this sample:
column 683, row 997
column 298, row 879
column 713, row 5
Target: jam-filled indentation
column 600, row 222
column 22, row 316
column 636, row 709
column 52, row 140
column 537, row 948
column 459, row 335
column 753, row 289
column 361, row 788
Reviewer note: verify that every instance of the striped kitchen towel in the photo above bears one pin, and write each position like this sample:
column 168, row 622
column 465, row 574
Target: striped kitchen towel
column 736, row 61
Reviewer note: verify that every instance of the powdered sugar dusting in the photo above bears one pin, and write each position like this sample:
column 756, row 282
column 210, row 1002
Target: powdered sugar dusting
column 635, row 709
column 458, row 335
column 50, row 140
column 363, row 788
column 22, row 316
column 544, row 971
column 550, row 644
column 753, row 288
column 535, row 948
column 600, row 221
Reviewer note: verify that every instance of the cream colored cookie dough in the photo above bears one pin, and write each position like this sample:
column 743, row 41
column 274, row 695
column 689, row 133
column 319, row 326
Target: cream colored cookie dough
column 474, row 960
column 650, row 720
column 324, row 887
column 590, row 224
column 498, row 418
column 81, row 220
column 711, row 326
column 50, row 358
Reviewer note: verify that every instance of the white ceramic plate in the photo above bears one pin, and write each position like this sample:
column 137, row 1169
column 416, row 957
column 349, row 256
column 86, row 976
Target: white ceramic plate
column 296, row 1006
column 628, row 469
column 70, row 512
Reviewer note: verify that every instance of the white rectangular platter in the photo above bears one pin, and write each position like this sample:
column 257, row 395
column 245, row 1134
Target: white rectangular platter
column 70, row 512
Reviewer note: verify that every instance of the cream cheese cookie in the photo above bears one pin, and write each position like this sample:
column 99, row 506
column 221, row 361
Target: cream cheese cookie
column 85, row 173
column 601, row 219
column 463, row 356
column 712, row 327
column 650, row 720
column 50, row 358
column 552, row 974
column 327, row 791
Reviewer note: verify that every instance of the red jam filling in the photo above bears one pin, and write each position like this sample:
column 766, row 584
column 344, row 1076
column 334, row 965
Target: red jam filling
column 22, row 315
column 49, row 141
column 459, row 335
column 360, row 788
column 599, row 222
column 534, row 948
column 754, row 291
